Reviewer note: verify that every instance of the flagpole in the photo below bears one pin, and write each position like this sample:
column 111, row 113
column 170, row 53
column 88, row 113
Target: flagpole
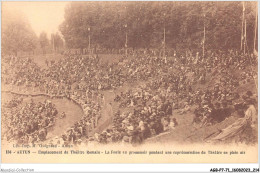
column 242, row 28
column 164, row 37
column 245, row 39
column 204, row 37
column 53, row 43
column 89, row 40
column 126, row 40
column 255, row 28
column 126, row 31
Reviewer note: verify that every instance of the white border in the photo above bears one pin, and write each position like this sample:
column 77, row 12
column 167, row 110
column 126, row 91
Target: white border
column 126, row 167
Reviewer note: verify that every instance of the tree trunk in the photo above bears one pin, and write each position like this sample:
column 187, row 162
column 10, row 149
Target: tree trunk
column 44, row 51
column 81, row 50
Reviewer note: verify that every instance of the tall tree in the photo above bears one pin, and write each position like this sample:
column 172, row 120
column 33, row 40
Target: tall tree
column 183, row 22
column 17, row 34
column 56, row 42
column 44, row 42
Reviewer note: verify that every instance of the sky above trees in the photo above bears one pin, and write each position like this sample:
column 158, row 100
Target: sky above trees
column 42, row 16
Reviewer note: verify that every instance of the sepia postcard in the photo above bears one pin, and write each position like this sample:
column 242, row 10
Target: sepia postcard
column 129, row 82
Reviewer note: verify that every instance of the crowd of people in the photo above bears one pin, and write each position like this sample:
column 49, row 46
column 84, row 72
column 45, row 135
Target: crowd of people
column 21, row 72
column 181, row 84
column 183, row 81
column 150, row 114
column 82, row 129
column 28, row 123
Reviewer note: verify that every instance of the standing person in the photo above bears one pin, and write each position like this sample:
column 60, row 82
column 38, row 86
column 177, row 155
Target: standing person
column 47, row 63
column 96, row 118
column 251, row 113
column 87, row 129
column 240, row 124
column 110, row 109
column 103, row 99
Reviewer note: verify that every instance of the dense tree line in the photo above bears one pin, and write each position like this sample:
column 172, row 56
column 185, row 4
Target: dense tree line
column 108, row 22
